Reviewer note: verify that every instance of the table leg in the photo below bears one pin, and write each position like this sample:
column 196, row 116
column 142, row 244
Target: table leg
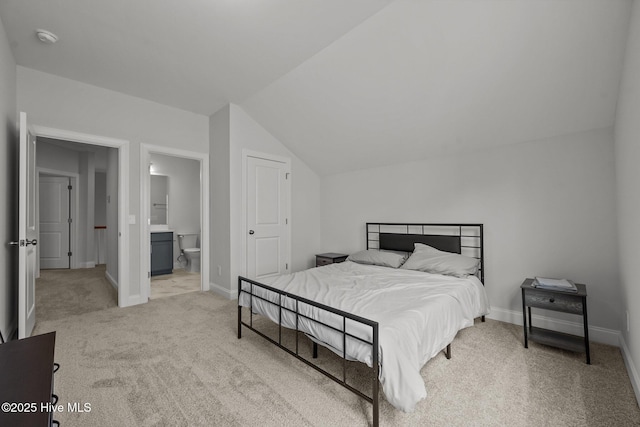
column 586, row 329
column 524, row 321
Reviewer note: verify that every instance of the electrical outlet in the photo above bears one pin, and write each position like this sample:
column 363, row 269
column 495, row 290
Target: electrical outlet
column 219, row 271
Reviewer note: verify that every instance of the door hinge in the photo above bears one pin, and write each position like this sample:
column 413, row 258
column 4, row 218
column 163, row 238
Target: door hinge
column 70, row 220
column 69, row 187
column 286, row 175
column 69, row 254
column 286, row 220
column 148, row 275
column 286, row 266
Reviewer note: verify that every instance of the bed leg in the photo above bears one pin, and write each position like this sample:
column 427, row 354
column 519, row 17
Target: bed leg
column 315, row 350
column 239, row 321
column 483, row 318
column 447, row 352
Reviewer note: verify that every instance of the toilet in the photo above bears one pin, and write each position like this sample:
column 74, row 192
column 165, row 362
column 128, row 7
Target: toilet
column 188, row 244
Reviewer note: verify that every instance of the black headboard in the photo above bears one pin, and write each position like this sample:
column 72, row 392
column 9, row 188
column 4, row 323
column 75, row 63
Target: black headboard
column 465, row 239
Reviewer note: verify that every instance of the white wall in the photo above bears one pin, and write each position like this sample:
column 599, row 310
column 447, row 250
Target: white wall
column 101, row 197
column 548, row 208
column 86, row 234
column 219, row 183
column 112, row 216
column 61, row 159
column 245, row 133
column 55, row 102
column 184, row 194
column 55, row 157
column 627, row 150
column 8, row 188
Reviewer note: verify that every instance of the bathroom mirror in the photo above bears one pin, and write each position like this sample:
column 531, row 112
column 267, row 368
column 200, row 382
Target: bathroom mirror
column 159, row 210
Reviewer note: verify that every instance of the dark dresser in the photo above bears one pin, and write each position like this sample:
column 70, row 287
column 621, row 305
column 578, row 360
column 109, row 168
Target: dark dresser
column 26, row 381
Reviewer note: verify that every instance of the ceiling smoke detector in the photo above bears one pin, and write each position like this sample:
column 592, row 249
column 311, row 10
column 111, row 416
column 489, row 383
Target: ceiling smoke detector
column 46, row 36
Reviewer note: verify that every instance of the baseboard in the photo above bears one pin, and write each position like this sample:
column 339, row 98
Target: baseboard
column 631, row 368
column 227, row 293
column 90, row 264
column 132, row 300
column 111, row 280
column 596, row 333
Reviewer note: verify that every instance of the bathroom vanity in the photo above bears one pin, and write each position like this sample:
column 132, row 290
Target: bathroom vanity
column 161, row 252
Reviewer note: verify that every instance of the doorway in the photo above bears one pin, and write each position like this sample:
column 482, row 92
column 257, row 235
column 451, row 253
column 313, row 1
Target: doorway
column 175, row 213
column 117, row 272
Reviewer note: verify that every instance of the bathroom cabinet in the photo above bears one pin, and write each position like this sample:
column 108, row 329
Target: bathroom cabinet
column 161, row 253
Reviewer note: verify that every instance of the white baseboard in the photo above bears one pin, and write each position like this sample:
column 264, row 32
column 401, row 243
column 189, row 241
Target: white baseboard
column 631, row 368
column 596, row 333
column 227, row 293
column 90, row 264
column 111, row 280
column 132, row 300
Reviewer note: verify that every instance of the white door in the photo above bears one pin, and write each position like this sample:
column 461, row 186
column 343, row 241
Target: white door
column 268, row 194
column 27, row 232
column 54, row 246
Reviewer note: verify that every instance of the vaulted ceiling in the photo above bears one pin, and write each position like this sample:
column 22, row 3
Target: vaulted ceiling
column 348, row 84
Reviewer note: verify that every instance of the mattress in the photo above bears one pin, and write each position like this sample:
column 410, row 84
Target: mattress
column 418, row 314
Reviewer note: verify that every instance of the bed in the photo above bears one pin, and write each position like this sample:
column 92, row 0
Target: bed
column 391, row 319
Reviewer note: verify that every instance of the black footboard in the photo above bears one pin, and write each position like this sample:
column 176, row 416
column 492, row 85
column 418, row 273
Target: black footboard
column 250, row 287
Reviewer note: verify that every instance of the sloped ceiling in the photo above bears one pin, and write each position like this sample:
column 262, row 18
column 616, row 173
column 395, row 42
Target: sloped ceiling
column 422, row 78
column 197, row 55
column 348, row 84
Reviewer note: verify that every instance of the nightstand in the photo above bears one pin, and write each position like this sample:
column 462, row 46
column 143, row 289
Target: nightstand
column 329, row 258
column 565, row 302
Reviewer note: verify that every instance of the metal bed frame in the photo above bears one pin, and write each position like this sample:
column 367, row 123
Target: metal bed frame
column 456, row 238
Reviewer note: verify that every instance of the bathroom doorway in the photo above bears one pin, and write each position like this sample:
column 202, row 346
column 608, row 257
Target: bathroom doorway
column 175, row 238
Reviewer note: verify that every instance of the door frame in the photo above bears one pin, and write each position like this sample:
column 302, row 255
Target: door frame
column 125, row 298
column 74, row 177
column 145, row 227
column 243, row 226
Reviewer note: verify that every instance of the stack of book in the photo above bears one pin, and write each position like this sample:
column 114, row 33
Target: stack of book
column 554, row 284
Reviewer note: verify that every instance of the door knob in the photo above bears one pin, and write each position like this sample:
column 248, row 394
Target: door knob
column 14, row 243
column 251, row 231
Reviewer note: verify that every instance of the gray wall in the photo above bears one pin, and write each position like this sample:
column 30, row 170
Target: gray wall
column 8, row 192
column 232, row 131
column 101, row 198
column 548, row 208
column 627, row 150
column 82, row 163
column 112, row 215
column 69, row 105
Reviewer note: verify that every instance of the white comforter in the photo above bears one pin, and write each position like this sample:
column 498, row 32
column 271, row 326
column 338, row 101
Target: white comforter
column 418, row 315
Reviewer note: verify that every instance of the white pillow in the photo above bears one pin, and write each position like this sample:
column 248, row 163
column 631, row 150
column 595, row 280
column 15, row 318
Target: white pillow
column 379, row 257
column 431, row 260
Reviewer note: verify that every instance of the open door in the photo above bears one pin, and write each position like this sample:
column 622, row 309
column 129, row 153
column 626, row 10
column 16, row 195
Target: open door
column 27, row 232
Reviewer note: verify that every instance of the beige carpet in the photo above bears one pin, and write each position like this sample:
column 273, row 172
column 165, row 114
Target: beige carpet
column 177, row 362
column 63, row 293
column 179, row 282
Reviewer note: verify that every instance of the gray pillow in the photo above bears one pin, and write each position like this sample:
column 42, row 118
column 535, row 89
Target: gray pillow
column 379, row 257
column 431, row 260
